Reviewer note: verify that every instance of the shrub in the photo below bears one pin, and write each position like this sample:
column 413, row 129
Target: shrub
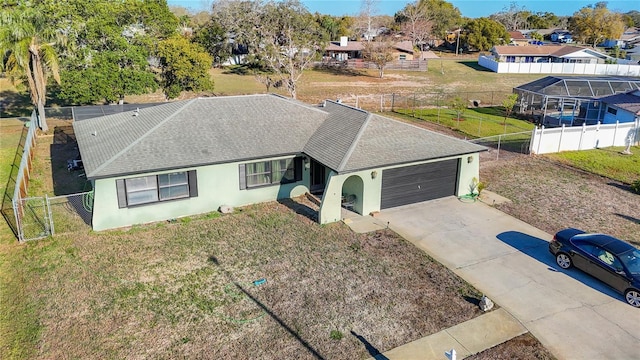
column 635, row 186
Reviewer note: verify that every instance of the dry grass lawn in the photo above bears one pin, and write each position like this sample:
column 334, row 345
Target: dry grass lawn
column 186, row 289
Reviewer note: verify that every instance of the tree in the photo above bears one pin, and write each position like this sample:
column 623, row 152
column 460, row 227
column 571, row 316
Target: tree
column 483, row 33
column 110, row 43
column 508, row 103
column 185, row 67
column 27, row 50
column 428, row 19
column 595, row 23
column 458, row 105
column 281, row 37
column 365, row 21
column 213, row 38
column 380, row 53
column 542, row 20
column 512, row 17
column 290, row 42
column 335, row 27
column 111, row 76
column 635, row 17
column 414, row 23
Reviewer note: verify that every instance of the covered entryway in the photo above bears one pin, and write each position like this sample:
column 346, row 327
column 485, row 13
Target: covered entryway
column 412, row 184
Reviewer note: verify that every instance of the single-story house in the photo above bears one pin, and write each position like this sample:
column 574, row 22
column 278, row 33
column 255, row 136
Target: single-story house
column 561, row 36
column 622, row 107
column 629, row 37
column 344, row 50
column 548, row 54
column 518, row 39
column 194, row 156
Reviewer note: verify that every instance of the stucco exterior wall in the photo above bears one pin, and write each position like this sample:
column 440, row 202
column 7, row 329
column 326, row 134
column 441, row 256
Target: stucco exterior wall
column 217, row 185
column 330, row 209
column 621, row 116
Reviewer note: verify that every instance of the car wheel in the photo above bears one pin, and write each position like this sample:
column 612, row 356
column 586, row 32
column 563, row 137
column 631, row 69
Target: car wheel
column 563, row 260
column 633, row 297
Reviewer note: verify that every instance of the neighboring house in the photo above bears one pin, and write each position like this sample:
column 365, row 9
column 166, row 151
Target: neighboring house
column 518, row 39
column 561, row 36
column 194, row 156
column 633, row 55
column 630, row 37
column 548, row 54
column 622, row 108
column 345, row 50
column 572, row 100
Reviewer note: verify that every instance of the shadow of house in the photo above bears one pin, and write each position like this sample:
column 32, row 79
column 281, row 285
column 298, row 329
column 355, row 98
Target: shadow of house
column 539, row 250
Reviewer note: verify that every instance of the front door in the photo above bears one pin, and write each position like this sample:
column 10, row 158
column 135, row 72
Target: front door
column 317, row 177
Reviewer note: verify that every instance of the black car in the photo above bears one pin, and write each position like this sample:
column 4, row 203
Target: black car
column 604, row 257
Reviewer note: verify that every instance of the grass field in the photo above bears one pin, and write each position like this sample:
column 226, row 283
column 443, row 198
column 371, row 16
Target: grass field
column 608, row 162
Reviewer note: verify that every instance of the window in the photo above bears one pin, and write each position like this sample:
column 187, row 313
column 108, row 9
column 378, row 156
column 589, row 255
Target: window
column 511, row 59
column 612, row 111
column 156, row 188
column 270, row 172
column 403, row 57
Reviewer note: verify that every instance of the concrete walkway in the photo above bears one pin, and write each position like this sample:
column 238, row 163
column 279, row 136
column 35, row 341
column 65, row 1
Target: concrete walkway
column 573, row 315
column 467, row 338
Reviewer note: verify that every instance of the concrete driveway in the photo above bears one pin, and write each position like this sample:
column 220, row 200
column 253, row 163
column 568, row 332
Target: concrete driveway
column 573, row 315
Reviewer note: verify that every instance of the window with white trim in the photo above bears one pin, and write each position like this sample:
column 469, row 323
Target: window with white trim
column 156, row 188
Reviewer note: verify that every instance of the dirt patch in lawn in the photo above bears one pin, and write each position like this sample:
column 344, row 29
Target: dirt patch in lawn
column 552, row 196
column 522, row 347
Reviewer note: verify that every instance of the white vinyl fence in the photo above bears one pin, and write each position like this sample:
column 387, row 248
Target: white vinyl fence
column 559, row 68
column 568, row 138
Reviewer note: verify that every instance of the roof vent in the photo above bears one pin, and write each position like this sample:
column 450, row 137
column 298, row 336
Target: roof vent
column 136, row 112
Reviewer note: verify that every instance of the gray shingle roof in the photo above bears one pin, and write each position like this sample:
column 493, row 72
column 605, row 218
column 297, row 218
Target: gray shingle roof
column 195, row 132
column 206, row 131
column 629, row 101
column 334, row 139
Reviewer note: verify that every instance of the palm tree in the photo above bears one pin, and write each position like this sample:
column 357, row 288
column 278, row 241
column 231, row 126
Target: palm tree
column 27, row 50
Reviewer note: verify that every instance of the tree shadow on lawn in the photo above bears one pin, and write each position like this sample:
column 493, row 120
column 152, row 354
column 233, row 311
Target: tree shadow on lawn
column 341, row 70
column 539, row 250
column 15, row 104
column 475, row 66
column 266, row 309
column 373, row 351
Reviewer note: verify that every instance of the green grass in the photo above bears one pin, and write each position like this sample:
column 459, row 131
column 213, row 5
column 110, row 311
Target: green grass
column 607, row 162
column 474, row 122
column 19, row 312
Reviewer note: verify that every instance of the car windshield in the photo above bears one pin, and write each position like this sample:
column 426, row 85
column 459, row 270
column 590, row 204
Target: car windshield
column 631, row 260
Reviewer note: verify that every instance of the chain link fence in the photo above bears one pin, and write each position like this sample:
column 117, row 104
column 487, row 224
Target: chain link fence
column 70, row 212
column 501, row 145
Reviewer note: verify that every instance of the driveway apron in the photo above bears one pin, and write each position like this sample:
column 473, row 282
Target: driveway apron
column 572, row 314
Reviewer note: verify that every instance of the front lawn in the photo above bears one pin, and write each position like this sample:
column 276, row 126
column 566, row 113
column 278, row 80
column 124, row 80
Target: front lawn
column 186, row 289
column 608, row 162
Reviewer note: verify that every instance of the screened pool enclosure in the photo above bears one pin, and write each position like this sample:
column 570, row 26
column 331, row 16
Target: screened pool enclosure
column 570, row 100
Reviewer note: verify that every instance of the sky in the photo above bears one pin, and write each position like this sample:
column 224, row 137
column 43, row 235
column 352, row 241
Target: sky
column 468, row 8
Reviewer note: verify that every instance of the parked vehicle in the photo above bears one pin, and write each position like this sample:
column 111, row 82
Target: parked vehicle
column 604, row 257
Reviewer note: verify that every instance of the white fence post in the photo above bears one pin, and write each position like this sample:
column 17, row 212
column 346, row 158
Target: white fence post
column 560, row 139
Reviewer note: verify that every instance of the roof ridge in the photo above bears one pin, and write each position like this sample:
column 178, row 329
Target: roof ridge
column 355, row 141
column 137, row 141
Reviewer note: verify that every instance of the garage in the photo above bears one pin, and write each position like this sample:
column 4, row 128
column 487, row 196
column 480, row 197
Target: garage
column 412, row 184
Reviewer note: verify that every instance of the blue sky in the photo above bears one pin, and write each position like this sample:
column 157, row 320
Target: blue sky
column 468, row 8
